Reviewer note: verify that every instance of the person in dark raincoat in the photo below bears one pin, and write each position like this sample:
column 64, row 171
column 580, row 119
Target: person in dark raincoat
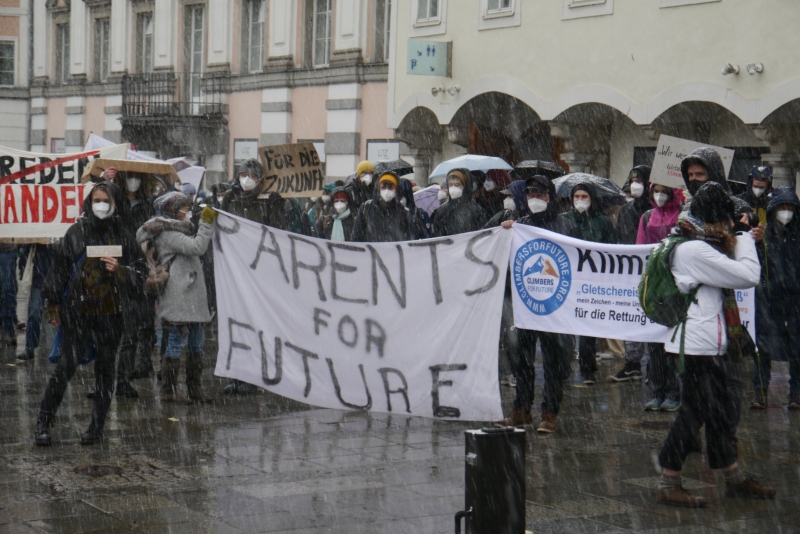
column 139, row 210
column 242, row 200
column 638, row 185
column 597, row 228
column 759, row 188
column 383, row 218
column 720, row 254
column 42, row 260
column 662, row 371
column 361, row 188
column 541, row 211
column 461, row 213
column 778, row 296
column 91, row 299
column 514, row 204
column 488, row 192
column 337, row 225
column 422, row 227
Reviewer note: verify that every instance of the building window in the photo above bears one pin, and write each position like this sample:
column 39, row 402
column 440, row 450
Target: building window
column 382, row 29
column 253, row 27
column 323, row 13
column 427, row 10
column 194, row 47
column 144, row 42
column 7, row 61
column 101, row 28
column 62, row 53
column 499, row 5
column 576, row 9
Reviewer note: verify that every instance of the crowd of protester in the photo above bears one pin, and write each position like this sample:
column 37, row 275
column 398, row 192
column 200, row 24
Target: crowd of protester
column 104, row 313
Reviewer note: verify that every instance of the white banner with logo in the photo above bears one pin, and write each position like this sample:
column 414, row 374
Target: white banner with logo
column 41, row 194
column 409, row 328
column 565, row 285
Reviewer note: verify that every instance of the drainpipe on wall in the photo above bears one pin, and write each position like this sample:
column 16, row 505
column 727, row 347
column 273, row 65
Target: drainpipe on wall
column 30, row 69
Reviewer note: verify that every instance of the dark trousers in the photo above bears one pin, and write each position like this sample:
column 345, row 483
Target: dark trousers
column 142, row 338
column 778, row 338
column 662, row 373
column 587, row 355
column 104, row 332
column 33, row 328
column 706, row 399
column 8, row 293
column 556, row 350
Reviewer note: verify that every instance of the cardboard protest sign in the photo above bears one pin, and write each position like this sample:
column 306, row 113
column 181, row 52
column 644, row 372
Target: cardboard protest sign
column 565, row 285
column 293, row 171
column 41, row 194
column 96, row 167
column 360, row 325
column 669, row 154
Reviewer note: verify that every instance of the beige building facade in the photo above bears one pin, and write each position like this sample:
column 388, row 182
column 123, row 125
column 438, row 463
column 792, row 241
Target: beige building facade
column 212, row 78
column 591, row 84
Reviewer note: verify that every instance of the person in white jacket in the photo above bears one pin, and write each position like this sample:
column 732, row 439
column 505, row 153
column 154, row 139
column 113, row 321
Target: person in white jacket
column 719, row 256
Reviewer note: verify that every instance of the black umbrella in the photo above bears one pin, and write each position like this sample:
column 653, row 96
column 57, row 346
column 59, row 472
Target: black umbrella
column 532, row 167
column 608, row 193
column 398, row 166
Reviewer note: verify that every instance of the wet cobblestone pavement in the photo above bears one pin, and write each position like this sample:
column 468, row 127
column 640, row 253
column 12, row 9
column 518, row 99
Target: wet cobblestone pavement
column 265, row 464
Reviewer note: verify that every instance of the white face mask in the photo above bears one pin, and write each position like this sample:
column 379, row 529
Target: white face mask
column 403, row 202
column 455, row 192
column 326, row 199
column 582, row 205
column 133, row 184
column 637, row 189
column 660, row 199
column 441, row 195
column 536, row 205
column 388, row 195
column 247, row 183
column 187, row 216
column 314, row 199
column 102, row 210
column 509, row 204
column 340, row 206
column 488, row 185
column 758, row 191
column 366, row 179
column 785, row 216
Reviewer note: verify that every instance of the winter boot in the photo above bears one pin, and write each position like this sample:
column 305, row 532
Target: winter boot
column 548, row 425
column 94, row 434
column 519, row 418
column 194, row 373
column 169, row 373
column 759, row 400
column 42, row 436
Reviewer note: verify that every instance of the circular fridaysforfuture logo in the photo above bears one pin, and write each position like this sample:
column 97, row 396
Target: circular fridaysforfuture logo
column 542, row 275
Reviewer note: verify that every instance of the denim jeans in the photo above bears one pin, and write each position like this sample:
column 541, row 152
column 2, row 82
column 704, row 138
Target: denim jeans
column 34, row 325
column 8, row 298
column 191, row 334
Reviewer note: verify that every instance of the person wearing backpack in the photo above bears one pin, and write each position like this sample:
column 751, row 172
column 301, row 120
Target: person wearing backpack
column 182, row 304
column 717, row 256
column 662, row 371
column 90, row 300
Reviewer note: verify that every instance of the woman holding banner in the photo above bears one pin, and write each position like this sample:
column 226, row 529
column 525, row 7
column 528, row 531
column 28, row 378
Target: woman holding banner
column 90, row 299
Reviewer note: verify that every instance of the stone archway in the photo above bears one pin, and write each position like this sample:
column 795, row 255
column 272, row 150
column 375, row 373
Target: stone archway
column 781, row 129
column 421, row 132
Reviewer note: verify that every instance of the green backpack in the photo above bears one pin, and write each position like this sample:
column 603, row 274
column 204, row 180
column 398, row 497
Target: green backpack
column 659, row 297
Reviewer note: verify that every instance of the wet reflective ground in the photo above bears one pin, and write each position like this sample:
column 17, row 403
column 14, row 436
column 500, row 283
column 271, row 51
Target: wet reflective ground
column 265, row 464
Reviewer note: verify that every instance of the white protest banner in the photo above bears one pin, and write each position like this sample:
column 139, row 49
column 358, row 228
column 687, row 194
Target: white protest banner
column 561, row 284
column 410, row 328
column 669, row 154
column 41, row 194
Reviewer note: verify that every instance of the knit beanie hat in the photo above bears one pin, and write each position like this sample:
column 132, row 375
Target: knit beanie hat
column 171, row 203
column 253, row 167
column 365, row 166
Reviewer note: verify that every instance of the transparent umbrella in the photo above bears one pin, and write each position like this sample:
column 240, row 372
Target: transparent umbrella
column 471, row 162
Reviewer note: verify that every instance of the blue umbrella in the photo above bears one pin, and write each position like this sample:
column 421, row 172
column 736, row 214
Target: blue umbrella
column 471, row 162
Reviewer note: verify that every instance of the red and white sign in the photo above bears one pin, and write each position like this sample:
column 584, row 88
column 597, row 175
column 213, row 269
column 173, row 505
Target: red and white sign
column 41, row 194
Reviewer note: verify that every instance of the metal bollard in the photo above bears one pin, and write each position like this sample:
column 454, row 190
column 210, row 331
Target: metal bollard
column 495, row 482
